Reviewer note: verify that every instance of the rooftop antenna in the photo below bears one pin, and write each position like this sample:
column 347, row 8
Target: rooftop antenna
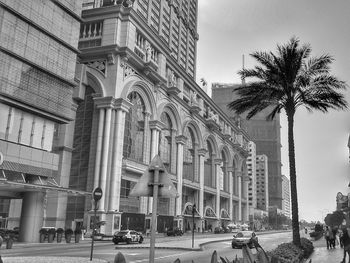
column 243, row 77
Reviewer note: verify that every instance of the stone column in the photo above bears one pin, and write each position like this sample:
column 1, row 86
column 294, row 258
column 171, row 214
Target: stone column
column 121, row 106
column 146, row 157
column 180, row 141
column 239, row 175
column 246, row 186
column 201, row 154
column 155, row 127
column 107, row 103
column 230, row 181
column 99, row 147
column 217, row 163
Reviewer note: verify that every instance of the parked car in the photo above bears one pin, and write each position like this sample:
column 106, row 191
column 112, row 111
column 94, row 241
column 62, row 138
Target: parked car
column 174, row 232
column 127, row 236
column 244, row 238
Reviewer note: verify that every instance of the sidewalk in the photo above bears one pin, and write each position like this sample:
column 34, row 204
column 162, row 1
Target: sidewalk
column 324, row 255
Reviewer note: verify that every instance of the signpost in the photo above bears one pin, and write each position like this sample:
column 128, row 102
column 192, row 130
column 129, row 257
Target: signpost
column 155, row 182
column 97, row 194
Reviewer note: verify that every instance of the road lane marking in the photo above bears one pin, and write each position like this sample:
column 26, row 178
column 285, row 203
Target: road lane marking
column 172, row 255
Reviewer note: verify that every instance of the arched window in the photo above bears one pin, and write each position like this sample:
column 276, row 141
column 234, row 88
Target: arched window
column 188, row 162
column 165, row 144
column 134, row 128
column 208, row 166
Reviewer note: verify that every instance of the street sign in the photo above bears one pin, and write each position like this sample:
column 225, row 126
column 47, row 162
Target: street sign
column 97, row 194
column 144, row 187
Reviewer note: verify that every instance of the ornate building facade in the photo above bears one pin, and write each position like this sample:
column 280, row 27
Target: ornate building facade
column 65, row 130
column 138, row 98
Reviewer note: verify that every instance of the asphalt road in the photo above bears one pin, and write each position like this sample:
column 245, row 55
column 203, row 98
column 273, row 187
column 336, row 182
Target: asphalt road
column 108, row 251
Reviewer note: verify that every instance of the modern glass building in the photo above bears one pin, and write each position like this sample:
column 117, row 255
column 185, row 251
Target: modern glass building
column 265, row 134
column 38, row 49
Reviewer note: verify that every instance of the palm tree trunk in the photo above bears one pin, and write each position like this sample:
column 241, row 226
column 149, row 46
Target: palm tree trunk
column 293, row 180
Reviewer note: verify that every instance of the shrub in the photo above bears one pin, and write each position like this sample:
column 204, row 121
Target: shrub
column 307, row 247
column 287, row 252
column 68, row 231
column 59, row 231
column 43, row 231
column 51, row 231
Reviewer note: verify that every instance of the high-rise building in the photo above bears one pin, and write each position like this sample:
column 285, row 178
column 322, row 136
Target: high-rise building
column 38, row 49
column 262, row 182
column 265, row 134
column 251, row 165
column 286, row 208
column 133, row 96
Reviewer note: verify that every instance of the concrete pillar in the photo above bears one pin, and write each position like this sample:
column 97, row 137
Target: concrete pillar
column 246, row 185
column 239, row 175
column 99, row 147
column 32, row 216
column 201, row 154
column 230, row 181
column 217, row 172
column 180, row 141
column 155, row 127
column 107, row 104
column 122, row 106
column 146, row 156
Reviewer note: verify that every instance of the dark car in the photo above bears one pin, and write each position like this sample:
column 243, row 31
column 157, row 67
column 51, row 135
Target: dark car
column 174, row 232
column 127, row 236
column 244, row 238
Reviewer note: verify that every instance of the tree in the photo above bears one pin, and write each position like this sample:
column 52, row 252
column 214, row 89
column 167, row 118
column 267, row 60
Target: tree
column 334, row 219
column 284, row 81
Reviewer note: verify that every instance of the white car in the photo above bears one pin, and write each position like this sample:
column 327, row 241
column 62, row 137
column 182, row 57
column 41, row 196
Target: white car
column 244, row 238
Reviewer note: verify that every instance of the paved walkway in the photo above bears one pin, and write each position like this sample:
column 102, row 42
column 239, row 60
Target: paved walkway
column 324, row 255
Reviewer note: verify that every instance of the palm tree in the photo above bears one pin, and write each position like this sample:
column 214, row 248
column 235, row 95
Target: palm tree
column 286, row 80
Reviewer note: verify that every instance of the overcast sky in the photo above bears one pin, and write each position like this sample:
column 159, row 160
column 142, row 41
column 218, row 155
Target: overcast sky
column 230, row 28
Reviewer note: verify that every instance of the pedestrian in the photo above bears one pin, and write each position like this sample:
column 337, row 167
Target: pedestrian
column 346, row 244
column 334, row 233
column 327, row 234
column 331, row 238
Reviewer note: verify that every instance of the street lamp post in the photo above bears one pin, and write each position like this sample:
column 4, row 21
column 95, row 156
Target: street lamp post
column 193, row 212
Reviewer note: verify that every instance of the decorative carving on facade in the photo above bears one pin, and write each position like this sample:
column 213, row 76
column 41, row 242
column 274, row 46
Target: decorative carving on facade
column 99, row 65
column 127, row 70
column 148, row 51
column 110, row 59
column 125, row 3
column 172, row 81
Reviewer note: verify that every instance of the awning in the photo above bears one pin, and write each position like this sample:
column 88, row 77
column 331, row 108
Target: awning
column 14, row 183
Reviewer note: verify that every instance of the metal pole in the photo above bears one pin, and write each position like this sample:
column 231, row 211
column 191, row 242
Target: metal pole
column 93, row 231
column 154, row 214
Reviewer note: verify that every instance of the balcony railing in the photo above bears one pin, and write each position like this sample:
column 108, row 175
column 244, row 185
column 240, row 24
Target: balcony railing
column 91, row 34
column 145, row 50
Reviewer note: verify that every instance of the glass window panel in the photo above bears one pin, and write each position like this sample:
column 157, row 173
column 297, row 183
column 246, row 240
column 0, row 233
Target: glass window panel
column 26, row 128
column 48, row 135
column 4, row 114
column 14, row 125
column 134, row 128
column 38, row 132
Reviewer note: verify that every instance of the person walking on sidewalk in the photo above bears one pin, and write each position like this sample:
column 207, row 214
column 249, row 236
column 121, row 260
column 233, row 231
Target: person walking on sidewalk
column 346, row 244
column 327, row 235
